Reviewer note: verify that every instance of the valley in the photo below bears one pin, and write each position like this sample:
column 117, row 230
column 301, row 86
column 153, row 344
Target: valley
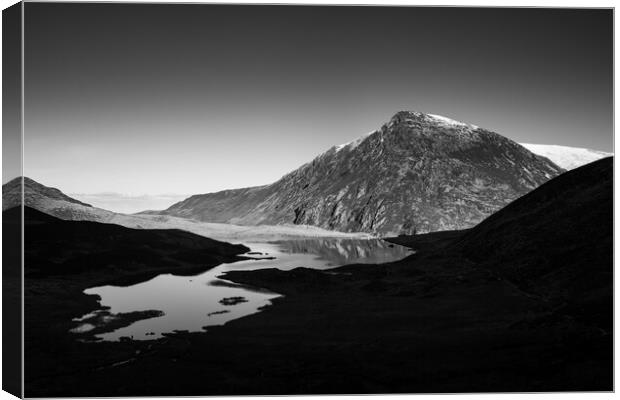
column 215, row 199
column 282, row 298
column 421, row 324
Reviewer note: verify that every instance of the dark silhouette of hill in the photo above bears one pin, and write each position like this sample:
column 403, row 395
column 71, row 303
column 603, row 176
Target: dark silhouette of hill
column 556, row 241
column 58, row 247
column 63, row 258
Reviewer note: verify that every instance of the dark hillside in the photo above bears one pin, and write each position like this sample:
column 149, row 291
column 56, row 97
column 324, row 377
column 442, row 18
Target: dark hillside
column 58, row 247
column 556, row 241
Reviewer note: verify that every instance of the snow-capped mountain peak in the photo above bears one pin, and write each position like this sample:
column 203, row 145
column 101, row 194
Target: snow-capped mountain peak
column 409, row 117
column 565, row 156
column 416, row 173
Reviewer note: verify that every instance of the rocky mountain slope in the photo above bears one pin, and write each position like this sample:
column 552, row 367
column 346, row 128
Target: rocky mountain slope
column 53, row 202
column 417, row 173
column 565, row 156
column 34, row 193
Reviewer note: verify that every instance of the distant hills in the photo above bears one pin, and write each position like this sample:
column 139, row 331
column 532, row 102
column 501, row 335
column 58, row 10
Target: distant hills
column 34, row 193
column 55, row 203
column 417, row 173
column 51, row 201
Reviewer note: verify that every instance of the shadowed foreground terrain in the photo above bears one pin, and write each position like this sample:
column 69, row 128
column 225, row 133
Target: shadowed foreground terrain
column 62, row 258
column 521, row 302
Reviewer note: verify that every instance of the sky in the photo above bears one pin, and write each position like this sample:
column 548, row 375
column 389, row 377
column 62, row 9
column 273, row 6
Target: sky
column 151, row 99
column 11, row 93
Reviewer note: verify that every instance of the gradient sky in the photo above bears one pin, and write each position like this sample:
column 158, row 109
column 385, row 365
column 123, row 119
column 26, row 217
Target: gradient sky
column 11, row 92
column 151, row 99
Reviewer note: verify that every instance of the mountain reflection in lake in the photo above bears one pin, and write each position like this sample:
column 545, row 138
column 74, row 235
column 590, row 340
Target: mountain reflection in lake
column 346, row 251
column 193, row 303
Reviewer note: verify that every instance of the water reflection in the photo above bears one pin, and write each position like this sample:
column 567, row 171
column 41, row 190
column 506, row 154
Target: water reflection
column 346, row 251
column 196, row 302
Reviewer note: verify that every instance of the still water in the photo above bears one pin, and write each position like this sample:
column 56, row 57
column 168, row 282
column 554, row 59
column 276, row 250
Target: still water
column 193, row 303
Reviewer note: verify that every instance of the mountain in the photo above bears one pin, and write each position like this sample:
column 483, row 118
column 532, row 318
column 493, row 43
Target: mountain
column 566, row 157
column 34, row 193
column 417, row 173
column 51, row 201
column 55, row 203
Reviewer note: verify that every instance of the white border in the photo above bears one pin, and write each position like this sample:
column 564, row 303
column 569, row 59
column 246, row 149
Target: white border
column 478, row 3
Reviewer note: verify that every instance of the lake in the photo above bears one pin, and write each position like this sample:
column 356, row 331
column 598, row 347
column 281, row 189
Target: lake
column 193, row 303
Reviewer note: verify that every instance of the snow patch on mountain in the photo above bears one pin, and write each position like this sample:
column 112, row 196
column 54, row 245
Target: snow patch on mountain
column 565, row 156
column 353, row 143
column 415, row 174
column 433, row 118
column 450, row 122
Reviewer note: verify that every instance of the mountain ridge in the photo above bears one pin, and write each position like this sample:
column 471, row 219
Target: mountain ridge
column 66, row 208
column 437, row 174
column 33, row 192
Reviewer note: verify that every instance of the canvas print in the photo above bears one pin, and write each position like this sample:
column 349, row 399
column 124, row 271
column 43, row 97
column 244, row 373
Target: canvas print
column 205, row 199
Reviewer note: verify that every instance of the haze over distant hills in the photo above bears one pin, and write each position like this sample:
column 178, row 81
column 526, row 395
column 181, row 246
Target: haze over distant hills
column 563, row 156
column 53, row 202
column 417, row 173
column 34, row 194
column 129, row 203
